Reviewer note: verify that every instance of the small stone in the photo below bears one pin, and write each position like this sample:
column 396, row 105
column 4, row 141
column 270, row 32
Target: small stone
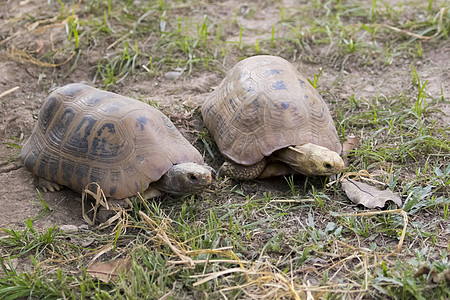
column 87, row 242
column 68, row 228
column 172, row 75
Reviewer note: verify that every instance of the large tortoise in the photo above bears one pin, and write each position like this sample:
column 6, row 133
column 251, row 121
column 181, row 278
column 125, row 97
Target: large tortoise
column 267, row 120
column 88, row 135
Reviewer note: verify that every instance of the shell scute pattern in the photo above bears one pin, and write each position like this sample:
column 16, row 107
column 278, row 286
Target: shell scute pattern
column 42, row 165
column 98, row 175
column 47, row 112
column 53, row 166
column 67, row 168
column 86, row 135
column 81, row 175
column 78, row 142
column 107, row 144
column 289, row 111
column 71, row 91
column 273, row 71
column 33, row 150
column 279, row 85
column 93, row 99
column 56, row 133
column 169, row 125
column 141, row 121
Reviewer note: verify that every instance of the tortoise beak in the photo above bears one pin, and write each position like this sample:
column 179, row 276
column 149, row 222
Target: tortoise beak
column 200, row 180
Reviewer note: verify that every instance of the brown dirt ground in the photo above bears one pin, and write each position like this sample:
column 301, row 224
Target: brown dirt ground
column 19, row 199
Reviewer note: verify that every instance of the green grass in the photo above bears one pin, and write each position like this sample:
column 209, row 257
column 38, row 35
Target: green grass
column 274, row 242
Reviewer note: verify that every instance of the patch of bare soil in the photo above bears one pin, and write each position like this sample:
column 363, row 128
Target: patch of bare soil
column 18, row 116
column 390, row 82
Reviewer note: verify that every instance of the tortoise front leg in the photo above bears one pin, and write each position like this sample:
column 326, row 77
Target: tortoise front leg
column 241, row 172
column 276, row 168
column 151, row 193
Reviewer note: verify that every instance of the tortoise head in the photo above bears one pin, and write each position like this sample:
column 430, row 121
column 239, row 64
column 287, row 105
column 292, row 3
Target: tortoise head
column 185, row 178
column 311, row 160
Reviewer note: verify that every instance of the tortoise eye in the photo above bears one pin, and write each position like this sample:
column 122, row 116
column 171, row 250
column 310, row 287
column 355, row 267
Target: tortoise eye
column 327, row 165
column 192, row 177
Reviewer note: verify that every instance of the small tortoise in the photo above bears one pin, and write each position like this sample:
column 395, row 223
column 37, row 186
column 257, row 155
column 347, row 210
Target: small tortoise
column 267, row 120
column 88, row 135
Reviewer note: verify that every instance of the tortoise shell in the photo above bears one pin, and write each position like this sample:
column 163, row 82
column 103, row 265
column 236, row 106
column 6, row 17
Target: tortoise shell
column 88, row 135
column 264, row 104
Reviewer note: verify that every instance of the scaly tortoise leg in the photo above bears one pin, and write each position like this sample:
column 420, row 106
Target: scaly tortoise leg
column 241, row 172
column 151, row 193
column 276, row 168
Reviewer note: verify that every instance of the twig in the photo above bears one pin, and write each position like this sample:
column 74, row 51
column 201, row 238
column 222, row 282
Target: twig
column 292, row 200
column 289, row 285
column 120, row 39
column 202, row 261
column 105, row 249
column 217, row 274
column 421, row 37
column 10, row 37
column 9, row 91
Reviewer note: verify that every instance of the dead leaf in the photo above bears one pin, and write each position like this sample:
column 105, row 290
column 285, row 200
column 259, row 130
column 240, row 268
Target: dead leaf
column 350, row 143
column 433, row 276
column 10, row 264
column 107, row 271
column 423, row 269
column 446, row 276
column 369, row 196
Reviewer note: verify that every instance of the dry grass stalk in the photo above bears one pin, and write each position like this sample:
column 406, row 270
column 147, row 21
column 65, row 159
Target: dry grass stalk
column 266, row 285
column 161, row 234
column 264, row 282
column 212, row 261
column 362, row 175
column 119, row 40
column 418, row 36
column 292, row 200
column 104, row 250
column 100, row 200
column 121, row 215
column 23, row 56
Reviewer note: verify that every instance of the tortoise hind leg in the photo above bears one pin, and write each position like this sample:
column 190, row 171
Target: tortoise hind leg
column 241, row 172
column 48, row 186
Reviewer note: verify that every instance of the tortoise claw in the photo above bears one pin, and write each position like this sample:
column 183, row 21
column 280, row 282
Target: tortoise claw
column 48, row 186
